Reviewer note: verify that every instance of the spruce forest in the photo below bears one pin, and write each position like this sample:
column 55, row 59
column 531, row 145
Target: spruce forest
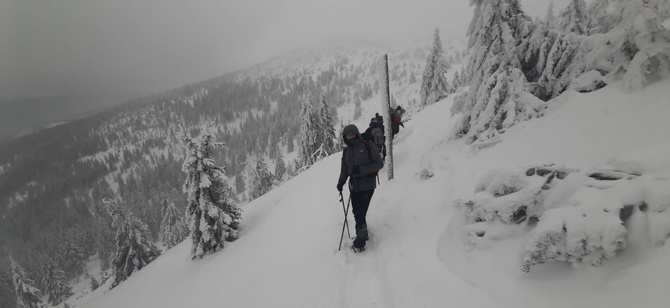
column 53, row 182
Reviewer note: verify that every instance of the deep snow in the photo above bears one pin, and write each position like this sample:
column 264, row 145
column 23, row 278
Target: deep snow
column 287, row 252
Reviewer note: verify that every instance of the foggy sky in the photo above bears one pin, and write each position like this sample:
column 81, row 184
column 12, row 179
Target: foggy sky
column 69, row 47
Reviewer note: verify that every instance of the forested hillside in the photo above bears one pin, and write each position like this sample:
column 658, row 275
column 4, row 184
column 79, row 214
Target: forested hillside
column 52, row 182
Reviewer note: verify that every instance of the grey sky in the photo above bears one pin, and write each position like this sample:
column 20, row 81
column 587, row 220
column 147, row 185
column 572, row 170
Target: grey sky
column 71, row 47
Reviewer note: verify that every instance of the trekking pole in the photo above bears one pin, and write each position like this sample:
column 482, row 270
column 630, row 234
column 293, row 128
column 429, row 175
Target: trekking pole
column 346, row 211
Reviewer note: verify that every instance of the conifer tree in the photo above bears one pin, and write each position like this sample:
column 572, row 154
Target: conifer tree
column 213, row 216
column 173, row 228
column 55, row 285
column 7, row 296
column 574, row 18
column 493, row 103
column 308, row 141
column 134, row 248
column 262, row 181
column 638, row 45
column 27, row 295
column 647, row 45
column 103, row 241
column 280, row 168
column 434, row 86
column 325, row 132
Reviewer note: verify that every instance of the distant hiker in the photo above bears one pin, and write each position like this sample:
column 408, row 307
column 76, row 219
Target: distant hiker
column 375, row 134
column 396, row 119
column 360, row 163
column 380, row 121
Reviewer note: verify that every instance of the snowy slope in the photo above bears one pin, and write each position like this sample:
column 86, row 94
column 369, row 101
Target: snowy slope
column 287, row 253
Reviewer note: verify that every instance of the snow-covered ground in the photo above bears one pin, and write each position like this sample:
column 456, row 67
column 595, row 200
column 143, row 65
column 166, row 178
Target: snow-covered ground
column 287, row 253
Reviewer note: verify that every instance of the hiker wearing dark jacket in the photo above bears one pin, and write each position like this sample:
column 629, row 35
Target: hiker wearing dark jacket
column 360, row 163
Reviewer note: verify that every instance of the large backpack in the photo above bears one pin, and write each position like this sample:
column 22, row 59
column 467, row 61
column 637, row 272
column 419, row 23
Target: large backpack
column 378, row 138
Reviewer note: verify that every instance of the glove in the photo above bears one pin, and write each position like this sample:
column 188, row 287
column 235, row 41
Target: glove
column 340, row 186
column 402, row 124
column 356, row 170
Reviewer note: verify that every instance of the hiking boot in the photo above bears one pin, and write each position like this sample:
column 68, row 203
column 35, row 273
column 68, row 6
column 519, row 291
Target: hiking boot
column 359, row 245
column 362, row 232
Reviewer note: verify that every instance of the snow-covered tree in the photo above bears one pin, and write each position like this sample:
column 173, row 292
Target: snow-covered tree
column 574, row 18
column 280, row 168
column 434, row 86
column 603, row 15
column 308, row 142
column 27, row 295
column 262, row 181
column 95, row 284
column 213, row 216
column 645, row 32
column 103, row 241
column 325, row 132
column 7, row 296
column 72, row 258
column 55, row 285
column 173, row 227
column 495, row 99
column 560, row 65
column 134, row 248
column 636, row 49
column 456, row 83
column 240, row 185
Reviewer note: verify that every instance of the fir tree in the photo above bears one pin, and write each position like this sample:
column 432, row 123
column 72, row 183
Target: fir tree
column 604, row 15
column 262, row 181
column 94, row 284
column 308, row 141
column 27, row 295
column 280, row 168
column 646, row 44
column 434, row 86
column 212, row 214
column 103, row 241
column 325, row 132
column 173, row 228
column 574, row 18
column 240, row 185
column 636, row 49
column 457, row 80
column 493, row 102
column 7, row 296
column 54, row 283
column 134, row 248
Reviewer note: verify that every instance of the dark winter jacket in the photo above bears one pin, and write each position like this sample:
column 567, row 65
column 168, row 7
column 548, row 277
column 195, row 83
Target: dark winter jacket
column 367, row 158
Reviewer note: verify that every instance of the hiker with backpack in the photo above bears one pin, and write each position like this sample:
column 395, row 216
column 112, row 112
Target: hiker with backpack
column 360, row 163
column 375, row 134
column 396, row 119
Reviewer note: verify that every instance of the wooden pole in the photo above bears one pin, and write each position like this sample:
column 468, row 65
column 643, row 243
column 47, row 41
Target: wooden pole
column 386, row 106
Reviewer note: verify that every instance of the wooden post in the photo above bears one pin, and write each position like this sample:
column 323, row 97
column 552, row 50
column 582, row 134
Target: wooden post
column 386, row 106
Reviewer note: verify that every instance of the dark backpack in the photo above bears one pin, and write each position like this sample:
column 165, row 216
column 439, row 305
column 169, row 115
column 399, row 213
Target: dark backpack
column 367, row 150
column 378, row 138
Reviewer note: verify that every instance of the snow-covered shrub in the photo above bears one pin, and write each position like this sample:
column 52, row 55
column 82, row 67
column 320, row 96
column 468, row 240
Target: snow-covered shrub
column 588, row 82
column 571, row 215
column 575, row 235
column 508, row 197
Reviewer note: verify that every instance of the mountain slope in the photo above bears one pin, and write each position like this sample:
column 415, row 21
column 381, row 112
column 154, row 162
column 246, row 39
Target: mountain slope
column 287, row 253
